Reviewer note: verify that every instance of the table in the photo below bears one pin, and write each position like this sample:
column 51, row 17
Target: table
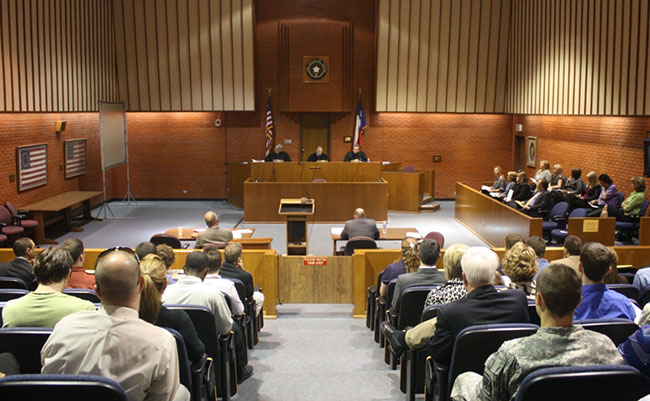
column 189, row 234
column 391, row 234
column 56, row 204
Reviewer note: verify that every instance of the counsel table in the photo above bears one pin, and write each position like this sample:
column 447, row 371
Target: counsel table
column 56, row 204
column 391, row 234
column 189, row 234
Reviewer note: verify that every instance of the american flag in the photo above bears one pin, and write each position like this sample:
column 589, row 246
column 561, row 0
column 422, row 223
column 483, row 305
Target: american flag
column 32, row 166
column 270, row 135
column 75, row 158
column 360, row 125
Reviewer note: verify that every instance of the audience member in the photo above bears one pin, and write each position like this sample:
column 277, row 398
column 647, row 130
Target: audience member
column 571, row 251
column 612, row 276
column 631, row 206
column 360, row 226
column 451, row 291
column 214, row 234
column 46, row 305
column 355, row 155
column 318, row 155
column 592, row 192
column 544, row 172
column 521, row 190
column 21, row 266
column 509, row 190
column 540, row 203
column 407, row 263
column 574, row 185
column 233, row 267
column 511, row 240
column 642, row 279
column 520, row 265
column 79, row 278
column 539, row 246
column 151, row 309
column 190, row 290
column 608, row 196
column 427, row 273
column 482, row 305
column 224, row 285
column 598, row 301
column 114, row 342
column 145, row 248
column 499, row 184
column 636, row 350
column 557, row 343
column 167, row 255
column 277, row 155
column 557, row 180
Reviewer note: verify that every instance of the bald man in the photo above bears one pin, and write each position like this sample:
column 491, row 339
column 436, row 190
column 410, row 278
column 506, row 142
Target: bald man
column 113, row 342
column 360, row 226
column 214, row 234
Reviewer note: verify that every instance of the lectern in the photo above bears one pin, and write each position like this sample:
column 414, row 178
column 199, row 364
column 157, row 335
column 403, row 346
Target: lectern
column 296, row 211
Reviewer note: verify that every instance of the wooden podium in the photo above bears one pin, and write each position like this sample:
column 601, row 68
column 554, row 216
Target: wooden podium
column 296, row 211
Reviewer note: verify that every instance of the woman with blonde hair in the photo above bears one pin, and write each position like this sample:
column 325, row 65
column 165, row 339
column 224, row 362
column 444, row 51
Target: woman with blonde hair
column 453, row 289
column 153, row 270
column 592, row 192
column 557, row 180
column 520, row 265
column 407, row 263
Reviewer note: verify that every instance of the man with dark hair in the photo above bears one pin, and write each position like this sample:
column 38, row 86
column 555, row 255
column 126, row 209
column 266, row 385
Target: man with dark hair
column 598, row 301
column 557, row 343
column 214, row 234
column 79, row 278
column 114, row 342
column 224, row 285
column 145, row 248
column 427, row 273
column 21, row 266
column 191, row 290
column 572, row 248
column 233, row 267
column 360, row 226
column 512, row 239
column 45, row 306
column 540, row 203
column 539, row 246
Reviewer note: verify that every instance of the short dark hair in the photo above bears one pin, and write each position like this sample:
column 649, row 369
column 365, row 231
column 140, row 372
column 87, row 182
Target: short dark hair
column 538, row 244
column 21, row 245
column 232, row 252
column 544, row 184
column 145, row 248
column 75, row 247
column 214, row 259
column 561, row 288
column 576, row 173
column 605, row 178
column 53, row 265
column 429, row 251
column 196, row 262
column 573, row 244
column 596, row 260
column 512, row 239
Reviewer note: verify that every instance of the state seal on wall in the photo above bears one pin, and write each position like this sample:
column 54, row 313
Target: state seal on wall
column 316, row 69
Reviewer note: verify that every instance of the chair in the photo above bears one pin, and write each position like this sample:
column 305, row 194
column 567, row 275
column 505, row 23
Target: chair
column 620, row 196
column 319, row 180
column 373, row 293
column 532, row 313
column 556, row 215
column 60, row 387
column 473, row 346
column 12, row 282
column 409, row 169
column 412, row 366
column 246, row 321
column 359, row 243
column 7, row 294
column 3, row 239
column 628, row 290
column 25, row 344
column 166, row 239
column 645, row 298
column 436, row 236
column 192, row 376
column 618, row 330
column 7, row 226
column 627, row 228
column 83, row 293
column 561, row 233
column 19, row 219
column 383, row 303
column 593, row 383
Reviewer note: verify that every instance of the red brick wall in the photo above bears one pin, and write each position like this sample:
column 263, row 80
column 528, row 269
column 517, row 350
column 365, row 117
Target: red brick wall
column 611, row 145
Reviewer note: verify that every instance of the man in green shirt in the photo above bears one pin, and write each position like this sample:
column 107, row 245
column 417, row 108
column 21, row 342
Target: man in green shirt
column 46, row 305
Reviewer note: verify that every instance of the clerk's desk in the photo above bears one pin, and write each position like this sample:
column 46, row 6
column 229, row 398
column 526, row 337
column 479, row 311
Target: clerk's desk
column 348, row 186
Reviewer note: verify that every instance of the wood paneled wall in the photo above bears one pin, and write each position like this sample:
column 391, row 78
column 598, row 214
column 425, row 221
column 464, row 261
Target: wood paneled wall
column 585, row 57
column 442, row 55
column 56, row 55
column 189, row 55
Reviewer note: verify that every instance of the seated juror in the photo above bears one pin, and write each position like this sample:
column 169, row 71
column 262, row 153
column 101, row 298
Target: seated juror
column 355, row 155
column 557, row 343
column 318, row 155
column 360, row 226
column 277, row 155
column 214, row 234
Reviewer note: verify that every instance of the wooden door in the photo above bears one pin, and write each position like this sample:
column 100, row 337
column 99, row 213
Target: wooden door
column 314, row 131
column 520, row 155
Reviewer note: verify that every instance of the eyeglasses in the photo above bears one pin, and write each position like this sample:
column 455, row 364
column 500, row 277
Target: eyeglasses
column 117, row 248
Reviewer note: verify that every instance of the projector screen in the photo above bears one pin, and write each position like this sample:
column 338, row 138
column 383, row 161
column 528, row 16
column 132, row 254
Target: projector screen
column 112, row 133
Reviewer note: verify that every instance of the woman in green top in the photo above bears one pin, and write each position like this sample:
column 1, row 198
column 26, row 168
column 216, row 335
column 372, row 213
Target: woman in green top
column 631, row 205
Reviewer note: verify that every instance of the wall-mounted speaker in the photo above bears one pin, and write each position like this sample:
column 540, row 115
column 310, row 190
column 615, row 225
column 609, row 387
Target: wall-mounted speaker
column 59, row 126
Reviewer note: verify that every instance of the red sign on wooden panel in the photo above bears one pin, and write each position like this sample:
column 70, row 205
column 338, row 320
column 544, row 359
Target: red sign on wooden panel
column 315, row 261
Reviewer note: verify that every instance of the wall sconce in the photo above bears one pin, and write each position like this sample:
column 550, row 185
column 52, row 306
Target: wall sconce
column 59, row 126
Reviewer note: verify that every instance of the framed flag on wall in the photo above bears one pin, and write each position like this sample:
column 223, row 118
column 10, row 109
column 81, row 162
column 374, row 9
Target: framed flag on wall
column 32, row 166
column 75, row 157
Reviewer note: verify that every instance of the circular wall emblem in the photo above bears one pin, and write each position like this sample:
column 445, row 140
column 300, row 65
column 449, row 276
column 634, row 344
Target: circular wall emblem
column 316, row 69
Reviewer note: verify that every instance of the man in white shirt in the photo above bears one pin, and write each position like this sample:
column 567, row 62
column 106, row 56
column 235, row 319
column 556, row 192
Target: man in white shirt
column 191, row 290
column 224, row 285
column 114, row 342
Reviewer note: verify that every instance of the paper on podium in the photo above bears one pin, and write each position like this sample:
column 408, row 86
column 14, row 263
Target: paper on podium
column 236, row 234
column 337, row 230
column 485, row 188
column 414, row 234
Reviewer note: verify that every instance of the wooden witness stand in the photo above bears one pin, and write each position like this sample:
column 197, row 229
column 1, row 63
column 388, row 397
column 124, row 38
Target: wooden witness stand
column 296, row 211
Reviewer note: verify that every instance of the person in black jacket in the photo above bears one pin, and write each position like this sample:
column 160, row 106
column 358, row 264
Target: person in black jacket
column 153, row 270
column 355, row 155
column 581, row 200
column 278, row 154
column 233, row 267
column 21, row 266
column 541, row 201
column 482, row 305
column 318, row 155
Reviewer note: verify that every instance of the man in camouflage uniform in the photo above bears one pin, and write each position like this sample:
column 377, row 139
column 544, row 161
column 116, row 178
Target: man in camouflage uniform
column 557, row 343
